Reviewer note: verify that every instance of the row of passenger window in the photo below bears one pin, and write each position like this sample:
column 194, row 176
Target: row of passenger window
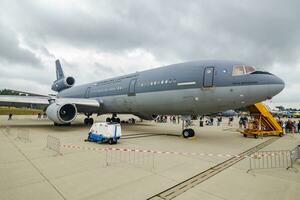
column 143, row 84
column 160, row 82
column 117, row 88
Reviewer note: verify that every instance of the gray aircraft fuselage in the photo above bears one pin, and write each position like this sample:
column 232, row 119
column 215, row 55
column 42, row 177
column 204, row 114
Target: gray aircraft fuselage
column 192, row 88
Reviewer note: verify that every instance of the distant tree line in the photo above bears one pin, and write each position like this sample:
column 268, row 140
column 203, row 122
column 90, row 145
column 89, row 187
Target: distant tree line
column 8, row 92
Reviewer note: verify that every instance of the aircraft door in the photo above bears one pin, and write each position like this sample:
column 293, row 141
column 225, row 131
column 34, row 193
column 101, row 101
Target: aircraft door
column 208, row 77
column 131, row 89
column 87, row 92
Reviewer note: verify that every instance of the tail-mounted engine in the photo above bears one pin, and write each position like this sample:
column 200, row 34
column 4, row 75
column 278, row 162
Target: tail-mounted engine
column 63, row 83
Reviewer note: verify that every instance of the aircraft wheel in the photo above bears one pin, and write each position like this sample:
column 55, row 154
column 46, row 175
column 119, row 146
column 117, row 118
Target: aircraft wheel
column 108, row 119
column 255, row 136
column 118, row 120
column 192, row 133
column 91, row 121
column 245, row 135
column 186, row 133
column 86, row 121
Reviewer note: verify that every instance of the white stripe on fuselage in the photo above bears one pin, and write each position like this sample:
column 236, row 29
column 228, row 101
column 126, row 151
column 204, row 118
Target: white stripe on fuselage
column 186, row 83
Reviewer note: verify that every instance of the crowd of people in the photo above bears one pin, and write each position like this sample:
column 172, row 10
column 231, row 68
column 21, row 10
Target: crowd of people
column 290, row 126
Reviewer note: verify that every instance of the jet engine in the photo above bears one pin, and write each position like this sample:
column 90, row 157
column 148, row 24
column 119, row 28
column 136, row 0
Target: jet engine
column 63, row 83
column 61, row 114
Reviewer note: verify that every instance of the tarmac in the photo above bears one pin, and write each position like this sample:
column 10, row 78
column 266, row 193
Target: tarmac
column 40, row 161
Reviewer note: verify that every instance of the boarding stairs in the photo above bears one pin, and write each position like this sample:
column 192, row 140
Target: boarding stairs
column 262, row 122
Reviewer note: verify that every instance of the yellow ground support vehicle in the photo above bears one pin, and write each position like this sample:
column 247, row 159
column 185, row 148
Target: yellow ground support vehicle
column 296, row 115
column 262, row 122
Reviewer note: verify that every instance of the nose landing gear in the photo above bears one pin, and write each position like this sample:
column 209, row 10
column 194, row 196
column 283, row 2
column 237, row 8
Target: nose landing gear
column 186, row 122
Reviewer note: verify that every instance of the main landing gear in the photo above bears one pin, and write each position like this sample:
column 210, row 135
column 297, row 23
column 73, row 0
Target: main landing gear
column 88, row 120
column 113, row 119
column 186, row 122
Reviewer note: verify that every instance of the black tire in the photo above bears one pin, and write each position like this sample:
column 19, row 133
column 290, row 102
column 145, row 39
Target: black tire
column 280, row 134
column 192, row 133
column 108, row 119
column 91, row 121
column 110, row 141
column 255, row 136
column 86, row 121
column 245, row 135
column 118, row 120
column 186, row 133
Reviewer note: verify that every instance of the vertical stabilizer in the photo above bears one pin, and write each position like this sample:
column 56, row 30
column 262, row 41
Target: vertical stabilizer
column 59, row 71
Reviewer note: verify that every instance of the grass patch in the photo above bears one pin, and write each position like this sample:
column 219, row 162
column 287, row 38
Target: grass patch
column 18, row 111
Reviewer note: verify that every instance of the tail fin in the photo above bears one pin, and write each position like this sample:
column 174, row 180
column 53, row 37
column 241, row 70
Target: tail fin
column 59, row 71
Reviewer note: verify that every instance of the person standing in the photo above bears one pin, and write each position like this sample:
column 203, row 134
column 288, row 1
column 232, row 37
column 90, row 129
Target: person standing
column 219, row 120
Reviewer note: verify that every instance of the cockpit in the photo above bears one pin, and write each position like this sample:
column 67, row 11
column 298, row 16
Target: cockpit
column 239, row 70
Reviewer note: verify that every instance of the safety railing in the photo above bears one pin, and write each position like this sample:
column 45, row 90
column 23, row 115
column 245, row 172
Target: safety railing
column 274, row 159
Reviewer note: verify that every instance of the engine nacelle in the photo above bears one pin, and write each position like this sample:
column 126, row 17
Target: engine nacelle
column 147, row 116
column 63, row 84
column 61, row 114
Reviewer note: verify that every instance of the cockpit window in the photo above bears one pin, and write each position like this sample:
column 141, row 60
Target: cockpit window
column 249, row 69
column 238, row 70
column 241, row 70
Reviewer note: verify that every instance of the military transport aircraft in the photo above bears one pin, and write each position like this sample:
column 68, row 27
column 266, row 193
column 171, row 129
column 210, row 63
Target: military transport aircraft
column 190, row 88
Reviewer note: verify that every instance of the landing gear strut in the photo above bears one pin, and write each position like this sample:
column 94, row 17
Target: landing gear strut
column 88, row 120
column 187, row 132
column 113, row 119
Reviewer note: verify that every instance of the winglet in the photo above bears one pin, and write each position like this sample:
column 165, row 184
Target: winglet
column 59, row 71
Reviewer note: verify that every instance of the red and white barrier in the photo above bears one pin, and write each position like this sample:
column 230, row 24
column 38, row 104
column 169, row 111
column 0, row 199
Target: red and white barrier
column 72, row 146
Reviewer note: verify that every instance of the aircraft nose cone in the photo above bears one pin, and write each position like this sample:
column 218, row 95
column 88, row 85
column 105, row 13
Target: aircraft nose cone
column 280, row 83
column 277, row 85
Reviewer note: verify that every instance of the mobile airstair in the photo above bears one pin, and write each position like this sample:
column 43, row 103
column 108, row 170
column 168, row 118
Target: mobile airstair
column 262, row 122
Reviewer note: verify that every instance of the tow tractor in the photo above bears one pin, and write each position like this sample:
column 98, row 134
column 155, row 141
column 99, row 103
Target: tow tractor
column 105, row 132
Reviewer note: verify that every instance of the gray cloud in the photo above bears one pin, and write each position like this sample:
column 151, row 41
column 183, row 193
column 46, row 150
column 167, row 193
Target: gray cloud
column 10, row 50
column 262, row 32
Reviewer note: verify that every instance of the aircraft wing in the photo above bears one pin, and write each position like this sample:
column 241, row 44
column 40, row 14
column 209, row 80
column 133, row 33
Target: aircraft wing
column 28, row 101
column 23, row 101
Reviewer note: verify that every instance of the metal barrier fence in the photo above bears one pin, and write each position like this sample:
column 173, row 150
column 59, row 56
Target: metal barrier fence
column 132, row 157
column 23, row 135
column 270, row 159
column 274, row 159
column 6, row 130
column 295, row 154
column 54, row 144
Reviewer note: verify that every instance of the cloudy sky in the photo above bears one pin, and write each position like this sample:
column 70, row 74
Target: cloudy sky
column 96, row 39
